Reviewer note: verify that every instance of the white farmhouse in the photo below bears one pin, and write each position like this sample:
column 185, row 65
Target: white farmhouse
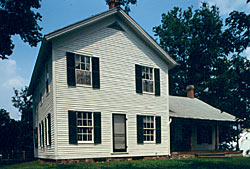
column 100, row 89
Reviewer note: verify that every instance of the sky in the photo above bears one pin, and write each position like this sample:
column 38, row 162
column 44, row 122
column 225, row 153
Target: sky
column 17, row 70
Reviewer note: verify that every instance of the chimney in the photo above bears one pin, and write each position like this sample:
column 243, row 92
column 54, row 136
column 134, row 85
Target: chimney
column 113, row 3
column 190, row 91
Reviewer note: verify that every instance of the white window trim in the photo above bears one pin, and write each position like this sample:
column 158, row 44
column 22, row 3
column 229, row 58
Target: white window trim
column 83, row 142
column 154, row 129
column 153, row 80
column 47, row 132
column 47, row 77
column 90, row 70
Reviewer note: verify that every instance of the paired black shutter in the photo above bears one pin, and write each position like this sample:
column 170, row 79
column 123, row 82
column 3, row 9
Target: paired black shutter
column 138, row 78
column 158, row 129
column 95, row 73
column 72, row 127
column 140, row 129
column 71, row 79
column 157, row 82
column 49, row 128
column 97, row 128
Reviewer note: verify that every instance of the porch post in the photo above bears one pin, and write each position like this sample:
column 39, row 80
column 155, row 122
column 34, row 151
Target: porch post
column 217, row 137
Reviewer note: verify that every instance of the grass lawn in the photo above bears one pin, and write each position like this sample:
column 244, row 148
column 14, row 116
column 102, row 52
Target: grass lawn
column 208, row 163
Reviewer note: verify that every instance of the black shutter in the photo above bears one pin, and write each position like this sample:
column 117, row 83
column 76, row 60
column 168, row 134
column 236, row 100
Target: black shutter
column 95, row 73
column 97, row 128
column 158, row 129
column 72, row 127
column 40, row 135
column 36, row 137
column 157, row 82
column 139, row 129
column 71, row 79
column 49, row 128
column 138, row 78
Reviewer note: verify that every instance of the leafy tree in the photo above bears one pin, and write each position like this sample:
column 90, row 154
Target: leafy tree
column 23, row 102
column 124, row 3
column 9, row 134
column 203, row 46
column 194, row 39
column 18, row 18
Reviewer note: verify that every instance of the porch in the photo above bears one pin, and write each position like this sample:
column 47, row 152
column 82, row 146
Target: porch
column 206, row 154
column 194, row 136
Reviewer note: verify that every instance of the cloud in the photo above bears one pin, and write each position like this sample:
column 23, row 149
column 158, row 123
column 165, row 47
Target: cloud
column 227, row 6
column 10, row 78
column 247, row 53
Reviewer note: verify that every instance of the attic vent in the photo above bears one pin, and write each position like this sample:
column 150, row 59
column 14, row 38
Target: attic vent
column 116, row 26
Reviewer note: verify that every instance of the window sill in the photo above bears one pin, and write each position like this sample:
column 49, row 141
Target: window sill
column 119, row 153
column 149, row 142
column 83, row 85
column 85, row 142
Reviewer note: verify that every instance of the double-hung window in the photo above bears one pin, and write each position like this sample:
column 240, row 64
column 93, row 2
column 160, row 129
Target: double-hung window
column 83, row 69
column 147, row 79
column 148, row 129
column 85, row 127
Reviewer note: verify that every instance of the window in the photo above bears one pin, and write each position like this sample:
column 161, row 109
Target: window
column 204, row 134
column 84, row 127
column 147, row 79
column 148, row 128
column 83, row 69
column 47, row 79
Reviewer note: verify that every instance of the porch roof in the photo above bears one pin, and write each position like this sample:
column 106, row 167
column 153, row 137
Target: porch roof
column 184, row 107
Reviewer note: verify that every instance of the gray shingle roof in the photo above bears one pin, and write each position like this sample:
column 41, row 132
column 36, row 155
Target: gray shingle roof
column 185, row 107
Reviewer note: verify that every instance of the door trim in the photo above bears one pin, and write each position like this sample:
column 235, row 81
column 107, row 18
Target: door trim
column 113, row 127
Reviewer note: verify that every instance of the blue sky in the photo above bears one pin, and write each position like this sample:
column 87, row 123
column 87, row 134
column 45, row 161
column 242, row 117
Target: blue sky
column 16, row 72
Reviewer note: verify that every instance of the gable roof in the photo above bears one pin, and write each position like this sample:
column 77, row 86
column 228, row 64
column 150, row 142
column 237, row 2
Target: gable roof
column 115, row 11
column 185, row 107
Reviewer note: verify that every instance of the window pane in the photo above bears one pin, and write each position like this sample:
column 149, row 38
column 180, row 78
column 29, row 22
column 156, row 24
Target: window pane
column 79, row 123
column 79, row 115
column 83, row 59
column 89, row 137
column 87, row 59
column 79, row 137
column 82, row 66
column 87, row 66
column 85, row 138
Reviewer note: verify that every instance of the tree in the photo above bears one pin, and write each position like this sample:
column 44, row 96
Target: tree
column 23, row 102
column 194, row 39
column 9, row 134
column 125, row 3
column 18, row 18
column 202, row 45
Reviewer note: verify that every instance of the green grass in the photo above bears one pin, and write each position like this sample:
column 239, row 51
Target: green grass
column 209, row 163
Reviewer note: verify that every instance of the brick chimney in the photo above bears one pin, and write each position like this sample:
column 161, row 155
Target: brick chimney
column 113, row 3
column 190, row 91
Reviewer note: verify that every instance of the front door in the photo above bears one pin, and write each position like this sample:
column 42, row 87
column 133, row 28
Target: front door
column 119, row 133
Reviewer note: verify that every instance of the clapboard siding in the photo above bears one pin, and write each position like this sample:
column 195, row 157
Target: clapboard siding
column 43, row 110
column 118, row 52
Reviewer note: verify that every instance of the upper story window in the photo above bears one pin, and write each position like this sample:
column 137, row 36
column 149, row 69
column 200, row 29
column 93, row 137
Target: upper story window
column 147, row 79
column 47, row 78
column 83, row 69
